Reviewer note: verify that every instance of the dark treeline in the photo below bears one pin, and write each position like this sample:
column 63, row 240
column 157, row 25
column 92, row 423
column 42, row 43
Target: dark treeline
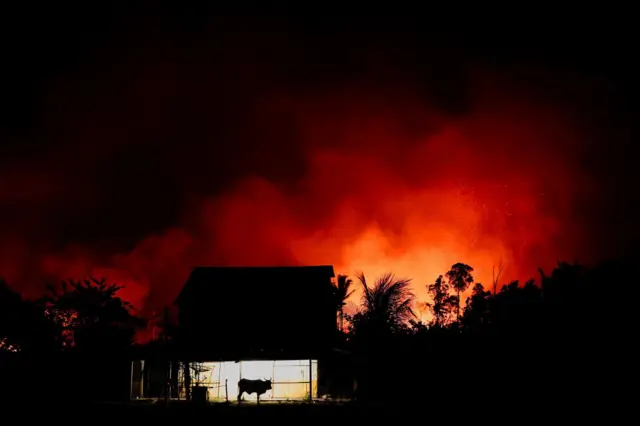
column 72, row 344
column 553, row 341
column 549, row 343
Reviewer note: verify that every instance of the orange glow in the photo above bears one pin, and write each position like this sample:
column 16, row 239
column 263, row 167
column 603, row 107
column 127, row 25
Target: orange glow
column 289, row 379
column 67, row 320
column 5, row 346
column 386, row 183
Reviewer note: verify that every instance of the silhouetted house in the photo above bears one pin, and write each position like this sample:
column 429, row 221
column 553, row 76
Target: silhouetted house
column 275, row 323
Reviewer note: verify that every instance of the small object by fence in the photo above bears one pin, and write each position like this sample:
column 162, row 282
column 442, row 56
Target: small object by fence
column 199, row 394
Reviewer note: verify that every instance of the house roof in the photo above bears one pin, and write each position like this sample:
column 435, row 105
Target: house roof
column 242, row 281
column 255, row 309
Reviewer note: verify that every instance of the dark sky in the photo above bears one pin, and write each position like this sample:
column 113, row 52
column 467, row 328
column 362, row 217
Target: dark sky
column 115, row 122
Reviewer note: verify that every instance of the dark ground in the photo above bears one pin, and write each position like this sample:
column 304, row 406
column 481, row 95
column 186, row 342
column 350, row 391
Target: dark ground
column 567, row 410
column 591, row 387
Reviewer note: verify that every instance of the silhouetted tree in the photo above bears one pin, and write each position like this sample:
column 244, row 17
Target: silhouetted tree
column 516, row 311
column 382, row 319
column 24, row 325
column 10, row 324
column 418, row 327
column 536, row 331
column 342, row 292
column 475, row 318
column 442, row 304
column 92, row 315
column 460, row 278
column 572, row 293
column 386, row 307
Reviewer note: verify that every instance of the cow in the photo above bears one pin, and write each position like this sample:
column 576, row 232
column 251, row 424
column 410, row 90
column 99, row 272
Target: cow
column 253, row 386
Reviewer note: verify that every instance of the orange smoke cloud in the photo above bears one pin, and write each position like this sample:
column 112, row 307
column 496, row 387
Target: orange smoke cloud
column 479, row 189
column 385, row 182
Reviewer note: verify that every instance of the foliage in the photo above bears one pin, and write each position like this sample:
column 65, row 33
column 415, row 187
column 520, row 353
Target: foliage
column 91, row 314
column 476, row 312
column 442, row 304
column 341, row 292
column 566, row 303
column 23, row 324
column 460, row 278
column 385, row 307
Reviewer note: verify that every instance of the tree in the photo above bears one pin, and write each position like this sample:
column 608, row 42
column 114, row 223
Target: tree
column 384, row 315
column 442, row 302
column 386, row 307
column 516, row 310
column 92, row 315
column 459, row 277
column 476, row 312
column 10, row 321
column 23, row 324
column 342, row 291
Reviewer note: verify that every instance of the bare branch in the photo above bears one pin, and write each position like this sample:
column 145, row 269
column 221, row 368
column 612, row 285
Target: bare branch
column 496, row 276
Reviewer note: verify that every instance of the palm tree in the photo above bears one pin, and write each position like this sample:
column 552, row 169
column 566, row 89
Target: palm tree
column 342, row 292
column 460, row 279
column 388, row 303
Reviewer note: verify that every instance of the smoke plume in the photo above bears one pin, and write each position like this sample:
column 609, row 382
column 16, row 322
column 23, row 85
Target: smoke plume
column 253, row 149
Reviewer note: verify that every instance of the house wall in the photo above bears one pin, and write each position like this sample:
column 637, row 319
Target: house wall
column 297, row 315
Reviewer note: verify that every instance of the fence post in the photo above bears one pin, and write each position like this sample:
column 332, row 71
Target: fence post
column 167, row 386
column 226, row 389
column 310, row 380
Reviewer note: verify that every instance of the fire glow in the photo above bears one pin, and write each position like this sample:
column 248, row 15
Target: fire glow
column 384, row 184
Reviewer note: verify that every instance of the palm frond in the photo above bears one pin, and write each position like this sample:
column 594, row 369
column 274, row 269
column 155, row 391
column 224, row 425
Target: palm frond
column 389, row 301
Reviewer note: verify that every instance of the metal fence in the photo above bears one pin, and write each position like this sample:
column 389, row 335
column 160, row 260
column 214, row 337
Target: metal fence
column 291, row 380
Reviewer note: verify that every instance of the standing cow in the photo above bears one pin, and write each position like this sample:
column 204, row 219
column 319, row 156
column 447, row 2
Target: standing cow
column 253, row 386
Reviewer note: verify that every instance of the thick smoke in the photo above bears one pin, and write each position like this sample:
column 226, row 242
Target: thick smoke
column 163, row 157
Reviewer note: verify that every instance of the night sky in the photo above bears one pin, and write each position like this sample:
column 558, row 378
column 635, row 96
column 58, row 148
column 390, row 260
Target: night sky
column 138, row 142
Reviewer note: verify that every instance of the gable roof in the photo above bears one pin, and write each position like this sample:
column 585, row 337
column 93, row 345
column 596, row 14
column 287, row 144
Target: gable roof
column 244, row 280
column 245, row 309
